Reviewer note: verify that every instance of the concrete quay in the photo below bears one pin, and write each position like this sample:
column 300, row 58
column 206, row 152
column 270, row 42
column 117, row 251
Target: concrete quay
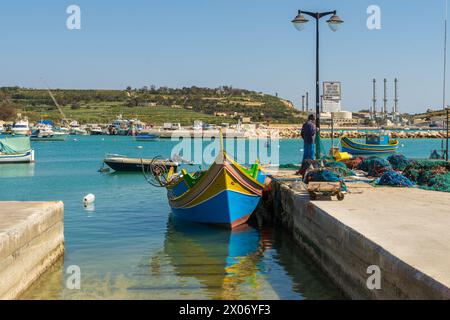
column 404, row 232
column 31, row 240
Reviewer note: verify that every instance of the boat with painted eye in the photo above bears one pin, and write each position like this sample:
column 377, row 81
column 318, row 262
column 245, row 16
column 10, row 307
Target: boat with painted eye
column 375, row 144
column 226, row 194
column 124, row 163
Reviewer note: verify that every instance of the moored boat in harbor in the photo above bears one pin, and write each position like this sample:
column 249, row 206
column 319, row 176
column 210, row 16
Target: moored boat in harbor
column 16, row 149
column 21, row 127
column 146, row 137
column 43, row 131
column 76, row 129
column 124, row 163
column 375, row 144
column 226, row 194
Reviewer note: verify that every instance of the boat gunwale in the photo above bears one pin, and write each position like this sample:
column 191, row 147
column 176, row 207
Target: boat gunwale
column 343, row 139
column 215, row 165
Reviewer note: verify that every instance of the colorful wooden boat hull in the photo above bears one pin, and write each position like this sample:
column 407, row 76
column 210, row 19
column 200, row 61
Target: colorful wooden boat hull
column 354, row 147
column 25, row 157
column 225, row 195
column 228, row 208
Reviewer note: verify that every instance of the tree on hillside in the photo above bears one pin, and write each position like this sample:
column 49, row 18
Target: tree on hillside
column 7, row 112
column 75, row 105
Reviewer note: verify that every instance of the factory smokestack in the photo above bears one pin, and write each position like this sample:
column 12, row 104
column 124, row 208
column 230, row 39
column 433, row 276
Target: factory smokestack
column 303, row 103
column 396, row 96
column 374, row 99
column 385, row 98
column 307, row 101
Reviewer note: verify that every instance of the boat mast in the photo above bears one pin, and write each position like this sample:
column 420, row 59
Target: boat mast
column 64, row 119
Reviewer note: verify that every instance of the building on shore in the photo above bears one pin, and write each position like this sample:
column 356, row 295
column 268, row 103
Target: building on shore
column 340, row 118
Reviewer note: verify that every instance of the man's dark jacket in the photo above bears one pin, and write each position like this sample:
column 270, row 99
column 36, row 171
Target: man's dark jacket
column 309, row 132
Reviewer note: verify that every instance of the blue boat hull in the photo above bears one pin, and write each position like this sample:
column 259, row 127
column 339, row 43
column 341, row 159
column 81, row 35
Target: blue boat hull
column 228, row 208
column 356, row 148
column 147, row 137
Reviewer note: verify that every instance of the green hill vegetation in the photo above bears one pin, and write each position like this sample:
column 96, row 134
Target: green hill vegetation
column 149, row 104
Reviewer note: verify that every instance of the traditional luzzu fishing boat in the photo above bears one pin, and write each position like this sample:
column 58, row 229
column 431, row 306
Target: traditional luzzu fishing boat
column 16, row 149
column 375, row 144
column 226, row 194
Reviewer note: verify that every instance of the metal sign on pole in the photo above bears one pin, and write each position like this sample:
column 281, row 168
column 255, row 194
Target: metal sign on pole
column 331, row 90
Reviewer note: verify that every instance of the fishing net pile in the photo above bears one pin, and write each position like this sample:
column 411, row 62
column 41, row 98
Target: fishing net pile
column 375, row 166
column 398, row 162
column 339, row 168
column 395, row 179
column 322, row 176
column 353, row 163
column 430, row 175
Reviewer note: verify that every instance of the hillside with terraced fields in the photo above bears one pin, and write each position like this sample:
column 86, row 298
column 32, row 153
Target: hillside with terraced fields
column 149, row 104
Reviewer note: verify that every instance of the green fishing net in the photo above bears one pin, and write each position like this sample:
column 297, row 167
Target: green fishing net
column 429, row 174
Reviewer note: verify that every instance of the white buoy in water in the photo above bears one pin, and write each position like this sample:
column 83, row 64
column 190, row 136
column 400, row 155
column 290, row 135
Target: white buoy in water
column 75, row 139
column 140, row 147
column 403, row 145
column 89, row 199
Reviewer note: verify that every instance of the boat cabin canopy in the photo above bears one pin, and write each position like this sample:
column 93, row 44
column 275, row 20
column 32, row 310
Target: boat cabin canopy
column 379, row 139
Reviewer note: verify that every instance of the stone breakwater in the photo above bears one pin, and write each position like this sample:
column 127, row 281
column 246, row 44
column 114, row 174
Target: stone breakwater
column 295, row 133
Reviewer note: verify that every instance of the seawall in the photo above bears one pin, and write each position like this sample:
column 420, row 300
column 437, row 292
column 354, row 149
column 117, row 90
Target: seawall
column 403, row 232
column 31, row 240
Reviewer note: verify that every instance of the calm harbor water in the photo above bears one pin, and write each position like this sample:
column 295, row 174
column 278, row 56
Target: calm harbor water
column 128, row 245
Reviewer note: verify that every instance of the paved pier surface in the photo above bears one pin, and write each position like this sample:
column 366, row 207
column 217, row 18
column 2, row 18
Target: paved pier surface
column 403, row 231
column 31, row 239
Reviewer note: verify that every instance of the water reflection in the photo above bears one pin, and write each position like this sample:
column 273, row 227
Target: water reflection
column 196, row 261
column 16, row 170
column 225, row 262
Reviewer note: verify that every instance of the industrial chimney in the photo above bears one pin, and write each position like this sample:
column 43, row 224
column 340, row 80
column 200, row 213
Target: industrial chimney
column 307, row 101
column 374, row 99
column 385, row 98
column 396, row 96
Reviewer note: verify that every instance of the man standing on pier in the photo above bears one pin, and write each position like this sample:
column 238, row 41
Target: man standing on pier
column 308, row 134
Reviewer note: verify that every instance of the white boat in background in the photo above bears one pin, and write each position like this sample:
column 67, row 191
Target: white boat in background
column 75, row 129
column 43, row 131
column 119, row 127
column 95, row 130
column 16, row 149
column 2, row 128
column 21, row 127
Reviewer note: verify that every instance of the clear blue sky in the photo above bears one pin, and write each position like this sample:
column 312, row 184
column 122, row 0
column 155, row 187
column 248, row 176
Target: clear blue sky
column 244, row 43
